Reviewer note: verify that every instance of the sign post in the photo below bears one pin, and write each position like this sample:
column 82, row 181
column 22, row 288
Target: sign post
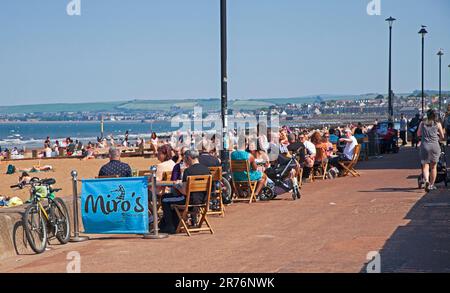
column 76, row 227
column 156, row 234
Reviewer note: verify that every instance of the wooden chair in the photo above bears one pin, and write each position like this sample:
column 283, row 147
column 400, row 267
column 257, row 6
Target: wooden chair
column 349, row 167
column 216, row 173
column 106, row 177
column 167, row 175
column 320, row 167
column 145, row 173
column 241, row 187
column 193, row 212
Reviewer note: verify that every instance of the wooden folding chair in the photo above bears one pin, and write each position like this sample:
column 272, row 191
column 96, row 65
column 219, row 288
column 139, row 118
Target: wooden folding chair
column 216, row 173
column 106, row 177
column 243, row 187
column 145, row 173
column 190, row 213
column 320, row 167
column 349, row 167
column 167, row 175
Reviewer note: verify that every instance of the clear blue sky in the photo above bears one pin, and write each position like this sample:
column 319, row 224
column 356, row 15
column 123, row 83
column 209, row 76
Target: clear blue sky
column 167, row 49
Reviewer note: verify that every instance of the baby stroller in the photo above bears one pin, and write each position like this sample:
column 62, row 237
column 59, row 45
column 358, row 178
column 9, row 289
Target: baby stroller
column 280, row 179
column 441, row 170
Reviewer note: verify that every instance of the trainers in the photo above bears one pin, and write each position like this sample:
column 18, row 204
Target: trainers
column 427, row 186
column 432, row 187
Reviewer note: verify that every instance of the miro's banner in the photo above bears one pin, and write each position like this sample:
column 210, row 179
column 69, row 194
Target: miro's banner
column 115, row 206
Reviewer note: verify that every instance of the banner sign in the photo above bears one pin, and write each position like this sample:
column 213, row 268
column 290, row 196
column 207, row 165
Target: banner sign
column 115, row 206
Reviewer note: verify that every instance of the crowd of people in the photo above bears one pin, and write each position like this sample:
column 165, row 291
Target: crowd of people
column 192, row 158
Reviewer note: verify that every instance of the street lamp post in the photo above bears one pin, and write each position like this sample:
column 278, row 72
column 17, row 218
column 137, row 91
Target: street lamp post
column 423, row 32
column 390, row 20
column 224, row 84
column 440, row 54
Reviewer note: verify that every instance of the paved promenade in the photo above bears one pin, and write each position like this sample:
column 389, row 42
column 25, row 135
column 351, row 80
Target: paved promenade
column 332, row 229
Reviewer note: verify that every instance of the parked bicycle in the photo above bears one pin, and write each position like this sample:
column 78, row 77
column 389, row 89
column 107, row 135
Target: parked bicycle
column 43, row 223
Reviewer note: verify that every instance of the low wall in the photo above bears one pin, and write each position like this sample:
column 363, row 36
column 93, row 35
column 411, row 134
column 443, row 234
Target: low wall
column 12, row 237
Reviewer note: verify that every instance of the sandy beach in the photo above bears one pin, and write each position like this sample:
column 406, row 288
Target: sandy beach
column 61, row 172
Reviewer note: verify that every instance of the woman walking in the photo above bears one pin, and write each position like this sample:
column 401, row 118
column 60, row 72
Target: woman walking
column 430, row 131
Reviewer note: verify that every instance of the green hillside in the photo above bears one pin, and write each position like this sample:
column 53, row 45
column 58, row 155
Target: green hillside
column 167, row 105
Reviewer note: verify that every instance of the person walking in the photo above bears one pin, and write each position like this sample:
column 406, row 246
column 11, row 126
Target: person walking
column 430, row 132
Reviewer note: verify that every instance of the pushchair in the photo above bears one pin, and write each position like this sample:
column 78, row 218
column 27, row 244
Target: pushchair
column 280, row 179
column 442, row 173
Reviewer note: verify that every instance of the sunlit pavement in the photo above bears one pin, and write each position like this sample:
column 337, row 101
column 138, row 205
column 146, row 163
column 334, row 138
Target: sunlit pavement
column 331, row 229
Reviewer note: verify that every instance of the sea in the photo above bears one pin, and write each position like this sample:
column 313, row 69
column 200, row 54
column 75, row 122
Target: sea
column 28, row 135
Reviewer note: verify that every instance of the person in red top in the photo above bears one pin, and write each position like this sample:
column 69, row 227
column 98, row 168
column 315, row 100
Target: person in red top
column 388, row 138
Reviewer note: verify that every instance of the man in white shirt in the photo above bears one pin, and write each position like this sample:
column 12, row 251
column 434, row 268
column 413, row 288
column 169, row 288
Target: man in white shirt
column 349, row 150
column 351, row 143
column 403, row 129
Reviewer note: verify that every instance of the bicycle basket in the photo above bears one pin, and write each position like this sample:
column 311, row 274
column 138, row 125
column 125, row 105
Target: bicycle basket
column 41, row 191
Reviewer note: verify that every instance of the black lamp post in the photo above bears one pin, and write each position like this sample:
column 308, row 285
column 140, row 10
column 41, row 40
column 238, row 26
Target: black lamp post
column 440, row 54
column 390, row 20
column 423, row 32
column 224, row 84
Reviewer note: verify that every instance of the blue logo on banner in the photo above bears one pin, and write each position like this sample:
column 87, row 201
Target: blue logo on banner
column 115, row 206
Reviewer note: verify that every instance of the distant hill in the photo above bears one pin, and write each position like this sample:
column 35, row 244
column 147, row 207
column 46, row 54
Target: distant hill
column 168, row 105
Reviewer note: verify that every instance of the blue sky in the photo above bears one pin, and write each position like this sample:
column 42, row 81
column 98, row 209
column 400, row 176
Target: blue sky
column 170, row 49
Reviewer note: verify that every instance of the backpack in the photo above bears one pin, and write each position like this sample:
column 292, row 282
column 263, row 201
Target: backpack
column 11, row 169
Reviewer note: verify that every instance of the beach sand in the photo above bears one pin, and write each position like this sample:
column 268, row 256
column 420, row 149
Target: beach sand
column 62, row 169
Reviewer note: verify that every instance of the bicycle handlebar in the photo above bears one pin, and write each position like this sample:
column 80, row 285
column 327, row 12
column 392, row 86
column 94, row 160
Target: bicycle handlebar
column 35, row 181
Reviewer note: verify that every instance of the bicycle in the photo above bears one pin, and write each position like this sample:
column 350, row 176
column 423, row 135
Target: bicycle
column 41, row 224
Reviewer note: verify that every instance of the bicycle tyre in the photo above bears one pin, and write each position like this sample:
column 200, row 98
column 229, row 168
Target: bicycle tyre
column 227, row 191
column 63, row 233
column 28, row 219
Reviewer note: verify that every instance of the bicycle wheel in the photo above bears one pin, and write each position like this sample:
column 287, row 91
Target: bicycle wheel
column 61, row 220
column 35, row 228
column 227, row 191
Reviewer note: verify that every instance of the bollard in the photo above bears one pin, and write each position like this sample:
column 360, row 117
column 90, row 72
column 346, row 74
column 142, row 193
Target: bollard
column 156, row 234
column 76, row 233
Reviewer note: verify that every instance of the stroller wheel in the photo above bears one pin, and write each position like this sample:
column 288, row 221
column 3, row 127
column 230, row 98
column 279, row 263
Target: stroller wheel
column 266, row 194
column 296, row 193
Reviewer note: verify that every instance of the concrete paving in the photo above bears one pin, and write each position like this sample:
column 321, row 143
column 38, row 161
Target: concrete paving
column 331, row 229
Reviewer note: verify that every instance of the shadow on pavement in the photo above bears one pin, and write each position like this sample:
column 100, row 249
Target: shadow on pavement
column 407, row 158
column 423, row 245
column 390, row 189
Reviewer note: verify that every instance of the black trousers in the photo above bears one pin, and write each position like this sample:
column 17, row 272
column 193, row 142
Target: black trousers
column 170, row 220
column 403, row 137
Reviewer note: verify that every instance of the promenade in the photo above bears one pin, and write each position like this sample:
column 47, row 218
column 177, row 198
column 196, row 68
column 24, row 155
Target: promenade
column 331, row 229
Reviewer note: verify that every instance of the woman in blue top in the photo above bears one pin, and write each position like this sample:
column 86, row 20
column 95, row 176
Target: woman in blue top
column 241, row 155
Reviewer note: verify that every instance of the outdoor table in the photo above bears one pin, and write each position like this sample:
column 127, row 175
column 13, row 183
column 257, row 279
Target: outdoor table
column 162, row 184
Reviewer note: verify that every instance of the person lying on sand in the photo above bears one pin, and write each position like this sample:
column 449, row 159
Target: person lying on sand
column 38, row 169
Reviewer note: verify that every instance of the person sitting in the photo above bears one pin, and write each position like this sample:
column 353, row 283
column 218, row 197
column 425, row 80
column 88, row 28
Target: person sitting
column 71, row 147
column 47, row 151
column 170, row 220
column 164, row 155
column 334, row 136
column 321, row 147
column 206, row 158
column 329, row 145
column 241, row 155
column 24, row 179
column 294, row 146
column 154, row 142
column 310, row 154
column 115, row 167
column 347, row 155
column 178, row 169
column 388, row 140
